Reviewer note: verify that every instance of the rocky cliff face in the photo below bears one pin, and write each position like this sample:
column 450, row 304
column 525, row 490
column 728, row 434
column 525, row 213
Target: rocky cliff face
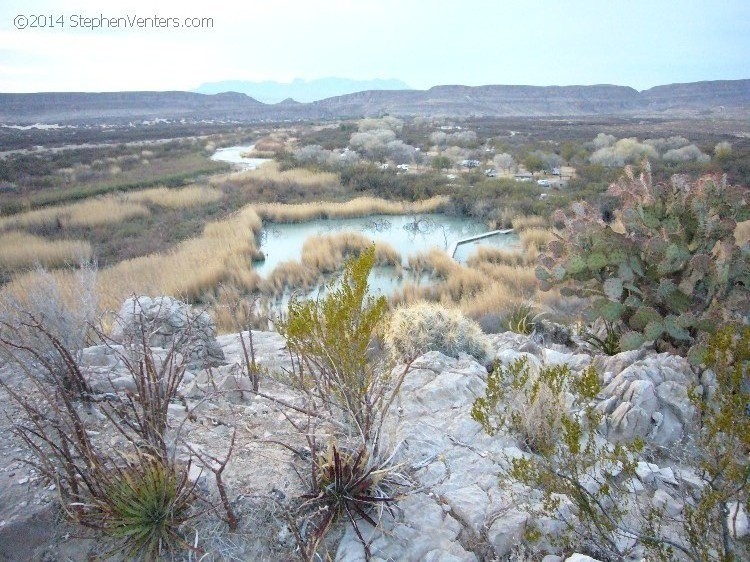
column 459, row 101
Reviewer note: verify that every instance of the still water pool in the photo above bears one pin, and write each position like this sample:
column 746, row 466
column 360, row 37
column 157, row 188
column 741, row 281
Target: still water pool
column 408, row 234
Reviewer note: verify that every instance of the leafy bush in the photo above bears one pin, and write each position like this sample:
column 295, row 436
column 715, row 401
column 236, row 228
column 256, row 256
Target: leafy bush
column 424, row 327
column 332, row 336
column 345, row 386
column 672, row 273
column 595, row 488
column 531, row 404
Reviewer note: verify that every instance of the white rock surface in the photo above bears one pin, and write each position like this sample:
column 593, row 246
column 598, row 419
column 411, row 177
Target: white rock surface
column 647, row 398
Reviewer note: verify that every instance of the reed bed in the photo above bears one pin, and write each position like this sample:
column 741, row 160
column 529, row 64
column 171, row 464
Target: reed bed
column 19, row 250
column 435, row 262
column 222, row 254
column 359, row 207
column 526, row 222
column 321, row 256
column 290, row 275
column 270, row 172
column 493, row 282
column 89, row 213
column 488, row 254
column 326, row 253
column 186, row 197
column 536, row 238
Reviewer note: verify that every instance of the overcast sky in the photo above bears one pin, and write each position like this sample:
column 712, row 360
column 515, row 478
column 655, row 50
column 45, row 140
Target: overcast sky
column 638, row 43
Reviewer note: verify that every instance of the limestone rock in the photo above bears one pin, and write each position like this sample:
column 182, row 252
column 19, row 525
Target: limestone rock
column 647, row 398
column 167, row 322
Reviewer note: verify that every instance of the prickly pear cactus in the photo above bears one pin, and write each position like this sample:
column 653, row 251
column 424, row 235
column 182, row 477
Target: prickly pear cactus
column 667, row 270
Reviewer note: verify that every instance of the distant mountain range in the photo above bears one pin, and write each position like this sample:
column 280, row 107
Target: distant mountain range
column 720, row 97
column 305, row 91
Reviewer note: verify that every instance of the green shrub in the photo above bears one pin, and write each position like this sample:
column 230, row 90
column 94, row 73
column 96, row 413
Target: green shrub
column 424, row 327
column 589, row 484
column 675, row 273
column 530, row 404
column 332, row 336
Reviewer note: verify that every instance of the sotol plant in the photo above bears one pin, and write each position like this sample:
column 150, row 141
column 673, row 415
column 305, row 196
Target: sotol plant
column 672, row 274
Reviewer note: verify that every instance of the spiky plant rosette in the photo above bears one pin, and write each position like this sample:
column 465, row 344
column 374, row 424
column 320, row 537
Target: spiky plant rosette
column 350, row 483
column 143, row 506
column 521, row 319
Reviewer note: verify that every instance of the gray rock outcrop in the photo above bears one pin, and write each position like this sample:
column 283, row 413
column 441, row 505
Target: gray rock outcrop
column 647, row 397
column 167, row 322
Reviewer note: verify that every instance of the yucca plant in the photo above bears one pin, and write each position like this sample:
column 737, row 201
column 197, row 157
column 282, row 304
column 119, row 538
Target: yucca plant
column 521, row 319
column 609, row 344
column 349, row 483
column 143, row 506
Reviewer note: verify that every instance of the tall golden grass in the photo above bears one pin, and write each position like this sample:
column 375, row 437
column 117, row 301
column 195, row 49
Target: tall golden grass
column 270, row 172
column 488, row 254
column 322, row 255
column 535, row 238
column 492, row 283
column 19, row 250
column 222, row 254
column 91, row 212
column 326, row 253
column 525, row 222
column 191, row 196
column 359, row 207
column 290, row 275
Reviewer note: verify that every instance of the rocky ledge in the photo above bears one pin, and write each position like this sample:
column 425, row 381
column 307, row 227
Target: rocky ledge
column 461, row 507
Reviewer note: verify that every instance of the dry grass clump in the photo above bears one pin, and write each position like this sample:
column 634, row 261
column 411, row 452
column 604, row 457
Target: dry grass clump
column 107, row 210
column 92, row 212
column 488, row 254
column 493, row 283
column 322, row 255
column 424, row 327
column 359, row 207
column 535, row 238
column 524, row 222
column 326, row 253
column 289, row 275
column 742, row 232
column 522, row 278
column 191, row 196
column 270, row 172
column 269, row 144
column 19, row 250
column 435, row 262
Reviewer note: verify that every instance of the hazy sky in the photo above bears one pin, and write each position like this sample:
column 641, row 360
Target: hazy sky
column 639, row 43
